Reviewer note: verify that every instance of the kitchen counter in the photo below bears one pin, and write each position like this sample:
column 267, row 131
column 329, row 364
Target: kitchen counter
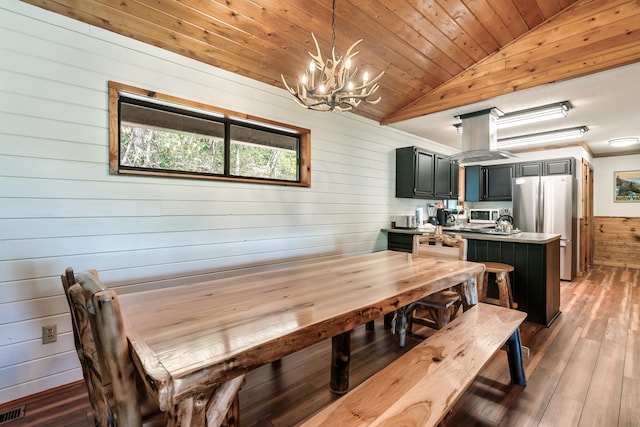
column 535, row 282
column 522, row 237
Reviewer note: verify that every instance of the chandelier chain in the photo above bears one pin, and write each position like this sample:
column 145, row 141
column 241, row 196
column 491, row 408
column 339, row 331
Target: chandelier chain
column 333, row 26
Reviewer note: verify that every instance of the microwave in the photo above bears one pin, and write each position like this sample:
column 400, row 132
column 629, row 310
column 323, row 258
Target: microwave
column 484, row 215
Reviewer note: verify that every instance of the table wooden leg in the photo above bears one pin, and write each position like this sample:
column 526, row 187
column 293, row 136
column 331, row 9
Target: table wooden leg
column 217, row 408
column 468, row 292
column 371, row 326
column 514, row 355
column 232, row 418
column 483, row 283
column 189, row 412
column 400, row 323
column 223, row 408
column 340, row 358
column 388, row 318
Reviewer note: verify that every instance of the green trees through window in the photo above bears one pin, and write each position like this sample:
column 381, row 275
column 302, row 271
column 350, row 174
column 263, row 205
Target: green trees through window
column 169, row 150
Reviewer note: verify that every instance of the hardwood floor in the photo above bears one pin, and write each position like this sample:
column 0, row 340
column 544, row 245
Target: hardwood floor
column 582, row 371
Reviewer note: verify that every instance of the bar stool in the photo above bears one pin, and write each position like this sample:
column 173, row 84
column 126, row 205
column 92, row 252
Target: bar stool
column 504, row 289
column 502, row 280
column 442, row 306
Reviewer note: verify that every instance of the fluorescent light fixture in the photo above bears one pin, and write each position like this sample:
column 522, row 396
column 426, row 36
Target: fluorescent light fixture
column 623, row 142
column 543, row 137
column 531, row 115
column 534, row 115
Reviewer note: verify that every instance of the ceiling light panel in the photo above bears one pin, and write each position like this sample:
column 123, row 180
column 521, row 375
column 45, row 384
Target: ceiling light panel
column 623, row 142
column 534, row 115
column 543, row 137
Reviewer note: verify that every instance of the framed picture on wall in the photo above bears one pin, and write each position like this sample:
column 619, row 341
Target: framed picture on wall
column 626, row 186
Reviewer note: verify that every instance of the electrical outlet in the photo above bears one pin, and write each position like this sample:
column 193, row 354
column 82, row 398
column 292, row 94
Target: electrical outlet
column 49, row 334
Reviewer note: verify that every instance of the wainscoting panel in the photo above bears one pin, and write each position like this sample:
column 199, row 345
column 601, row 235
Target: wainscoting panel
column 617, row 241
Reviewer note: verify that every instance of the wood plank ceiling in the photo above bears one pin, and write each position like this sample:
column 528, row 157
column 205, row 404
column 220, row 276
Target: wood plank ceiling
column 436, row 54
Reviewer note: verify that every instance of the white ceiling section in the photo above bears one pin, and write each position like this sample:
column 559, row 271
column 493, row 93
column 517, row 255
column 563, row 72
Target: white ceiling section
column 608, row 103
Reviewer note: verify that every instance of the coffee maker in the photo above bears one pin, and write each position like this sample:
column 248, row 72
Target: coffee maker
column 444, row 217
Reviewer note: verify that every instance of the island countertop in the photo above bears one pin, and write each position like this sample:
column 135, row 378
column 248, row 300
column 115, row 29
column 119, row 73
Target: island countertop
column 522, row 237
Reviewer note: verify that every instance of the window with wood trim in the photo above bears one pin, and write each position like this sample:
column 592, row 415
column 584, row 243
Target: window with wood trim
column 156, row 134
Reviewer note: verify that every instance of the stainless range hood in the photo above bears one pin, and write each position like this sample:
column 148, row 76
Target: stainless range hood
column 479, row 138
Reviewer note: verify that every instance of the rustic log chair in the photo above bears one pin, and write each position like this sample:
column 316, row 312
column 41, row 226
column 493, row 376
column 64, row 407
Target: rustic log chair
column 444, row 305
column 116, row 392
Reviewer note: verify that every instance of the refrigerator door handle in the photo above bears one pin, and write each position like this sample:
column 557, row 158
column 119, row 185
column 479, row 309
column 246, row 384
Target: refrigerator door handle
column 540, row 213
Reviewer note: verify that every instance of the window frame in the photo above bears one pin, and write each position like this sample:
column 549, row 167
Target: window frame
column 228, row 117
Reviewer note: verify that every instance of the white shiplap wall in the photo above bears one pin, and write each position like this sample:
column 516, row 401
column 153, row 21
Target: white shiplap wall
column 60, row 207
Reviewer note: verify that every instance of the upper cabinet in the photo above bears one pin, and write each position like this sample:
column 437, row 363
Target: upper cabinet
column 564, row 166
column 559, row 166
column 446, row 178
column 414, row 172
column 529, row 169
column 423, row 174
column 493, row 183
column 488, row 183
column 498, row 182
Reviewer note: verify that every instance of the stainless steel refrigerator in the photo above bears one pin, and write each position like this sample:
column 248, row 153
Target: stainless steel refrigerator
column 545, row 204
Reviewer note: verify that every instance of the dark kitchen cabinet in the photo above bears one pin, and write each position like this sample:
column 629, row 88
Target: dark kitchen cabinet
column 529, row 169
column 422, row 174
column 535, row 282
column 564, row 166
column 414, row 172
column 446, row 178
column 488, row 183
column 497, row 181
column 401, row 242
column 455, row 180
column 559, row 166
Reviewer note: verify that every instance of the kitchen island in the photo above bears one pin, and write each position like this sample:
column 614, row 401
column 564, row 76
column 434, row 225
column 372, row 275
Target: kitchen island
column 535, row 256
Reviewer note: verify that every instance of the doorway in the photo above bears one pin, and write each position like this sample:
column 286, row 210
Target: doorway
column 586, row 220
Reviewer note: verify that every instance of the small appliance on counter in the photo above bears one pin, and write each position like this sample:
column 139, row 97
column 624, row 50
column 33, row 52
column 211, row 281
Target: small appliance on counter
column 445, row 217
column 488, row 221
column 420, row 216
column 406, row 221
column 504, row 223
column 431, row 215
column 483, row 216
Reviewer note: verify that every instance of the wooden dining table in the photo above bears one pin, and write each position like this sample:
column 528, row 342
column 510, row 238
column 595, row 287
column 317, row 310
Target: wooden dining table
column 189, row 340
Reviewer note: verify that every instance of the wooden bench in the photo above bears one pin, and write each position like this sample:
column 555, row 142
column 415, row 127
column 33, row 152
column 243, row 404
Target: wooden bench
column 421, row 386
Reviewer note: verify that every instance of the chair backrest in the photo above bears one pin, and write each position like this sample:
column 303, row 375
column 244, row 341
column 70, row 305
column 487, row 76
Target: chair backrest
column 440, row 245
column 103, row 349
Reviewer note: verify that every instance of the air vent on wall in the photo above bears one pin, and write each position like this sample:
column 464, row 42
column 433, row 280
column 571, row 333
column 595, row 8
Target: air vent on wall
column 12, row 414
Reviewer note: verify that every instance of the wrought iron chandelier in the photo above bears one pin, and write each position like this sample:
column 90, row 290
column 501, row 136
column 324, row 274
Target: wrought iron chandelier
column 331, row 85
